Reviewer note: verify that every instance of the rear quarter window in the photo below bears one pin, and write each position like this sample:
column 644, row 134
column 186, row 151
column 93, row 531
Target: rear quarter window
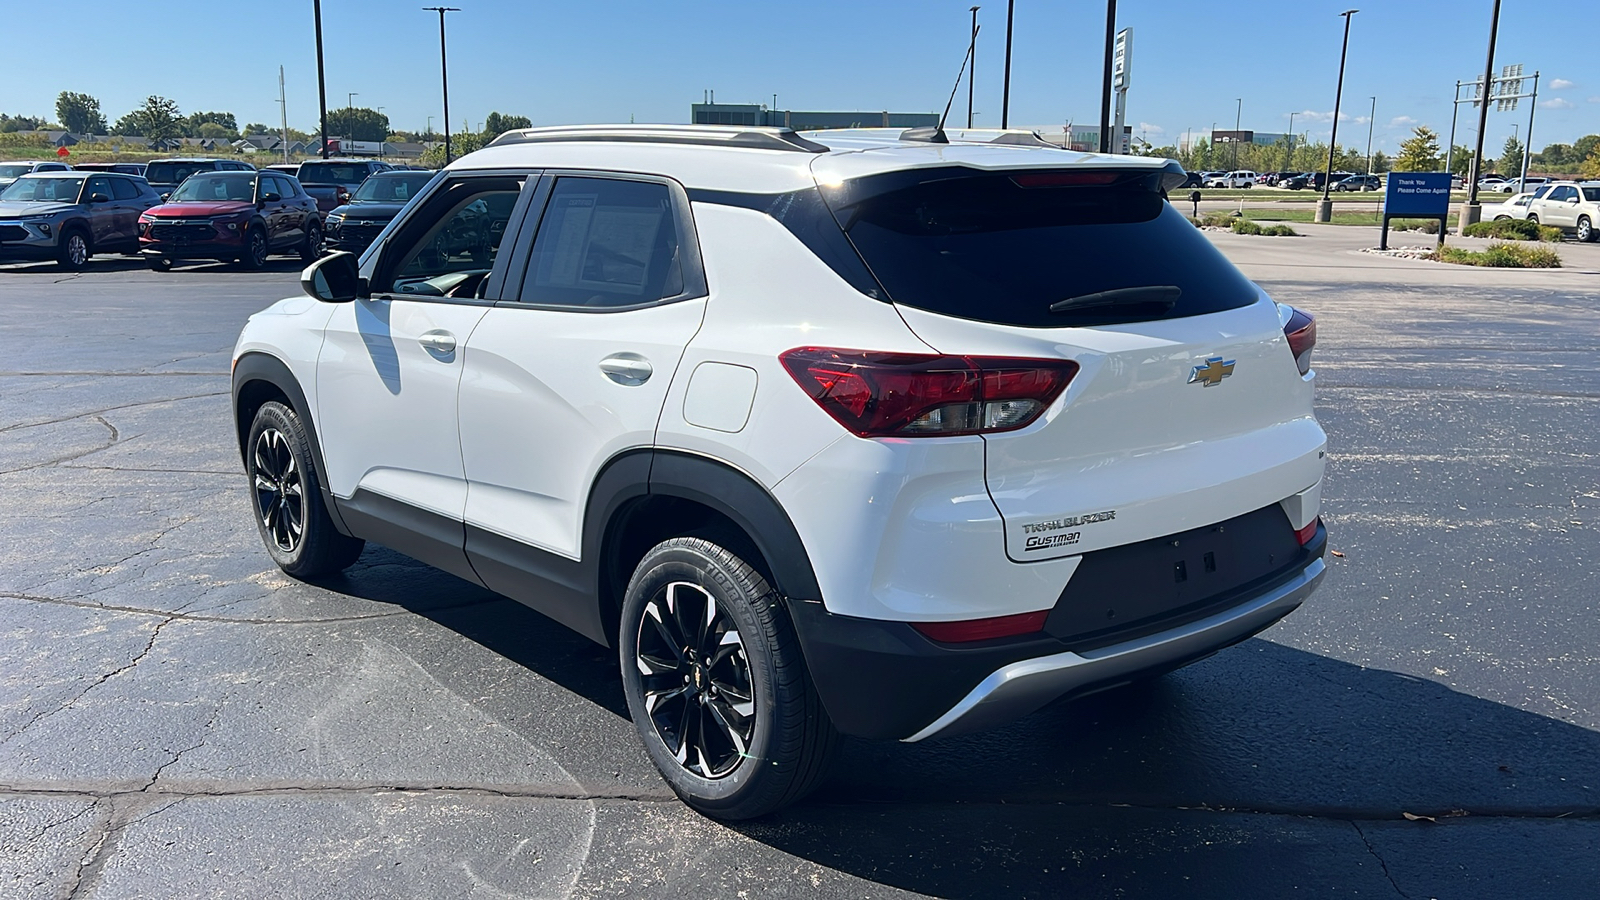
column 986, row 247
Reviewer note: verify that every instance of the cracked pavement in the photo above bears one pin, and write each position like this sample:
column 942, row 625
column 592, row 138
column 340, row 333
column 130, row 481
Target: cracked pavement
column 178, row 718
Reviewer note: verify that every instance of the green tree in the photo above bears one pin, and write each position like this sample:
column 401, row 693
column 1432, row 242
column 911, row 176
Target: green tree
column 1584, row 147
column 1591, row 165
column 193, row 123
column 257, row 128
column 1461, row 161
column 1420, row 152
column 216, row 131
column 460, row 145
column 498, row 124
column 80, row 113
column 9, row 124
column 1555, row 157
column 1380, row 161
column 1510, row 162
column 157, row 119
column 358, row 124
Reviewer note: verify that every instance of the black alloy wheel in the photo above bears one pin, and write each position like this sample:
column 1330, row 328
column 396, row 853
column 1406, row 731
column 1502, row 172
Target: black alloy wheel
column 312, row 248
column 279, row 490
column 286, row 497
column 695, row 679
column 255, row 249
column 716, row 682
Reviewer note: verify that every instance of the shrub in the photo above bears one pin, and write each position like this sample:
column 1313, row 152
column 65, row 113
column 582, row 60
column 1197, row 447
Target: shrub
column 1246, row 226
column 1513, row 230
column 1502, row 256
column 1426, row 226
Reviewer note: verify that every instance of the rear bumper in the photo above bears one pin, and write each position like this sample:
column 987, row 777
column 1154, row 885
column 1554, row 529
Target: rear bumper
column 886, row 680
column 1021, row 687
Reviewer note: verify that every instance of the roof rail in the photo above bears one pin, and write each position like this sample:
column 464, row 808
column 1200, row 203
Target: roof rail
column 1006, row 136
column 754, row 137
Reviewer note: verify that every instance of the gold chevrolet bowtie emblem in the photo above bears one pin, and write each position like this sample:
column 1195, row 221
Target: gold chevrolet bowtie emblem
column 1212, row 373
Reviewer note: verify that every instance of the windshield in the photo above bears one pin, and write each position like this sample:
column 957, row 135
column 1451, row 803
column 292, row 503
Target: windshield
column 332, row 173
column 14, row 171
column 63, row 189
column 172, row 173
column 236, row 186
column 1003, row 248
column 392, row 188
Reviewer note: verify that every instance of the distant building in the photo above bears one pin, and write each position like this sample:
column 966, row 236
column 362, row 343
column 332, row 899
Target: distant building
column 810, row 120
column 1086, row 139
column 1259, row 138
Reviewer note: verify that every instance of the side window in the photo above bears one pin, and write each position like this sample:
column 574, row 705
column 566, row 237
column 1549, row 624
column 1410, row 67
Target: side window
column 605, row 243
column 1563, row 194
column 98, row 185
column 280, row 187
column 448, row 247
column 123, row 189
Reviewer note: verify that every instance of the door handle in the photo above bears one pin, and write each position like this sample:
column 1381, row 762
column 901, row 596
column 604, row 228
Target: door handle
column 439, row 341
column 629, row 369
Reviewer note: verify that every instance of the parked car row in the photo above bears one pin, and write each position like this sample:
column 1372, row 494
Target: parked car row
column 203, row 209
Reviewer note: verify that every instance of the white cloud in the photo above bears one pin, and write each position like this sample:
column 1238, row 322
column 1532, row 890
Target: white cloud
column 1594, row 99
column 1401, row 121
column 1560, row 84
column 1147, row 128
column 1558, row 103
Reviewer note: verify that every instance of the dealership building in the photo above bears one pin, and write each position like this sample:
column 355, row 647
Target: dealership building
column 804, row 120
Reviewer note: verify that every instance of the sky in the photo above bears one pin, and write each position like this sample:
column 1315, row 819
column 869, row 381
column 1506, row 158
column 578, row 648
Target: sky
column 558, row 61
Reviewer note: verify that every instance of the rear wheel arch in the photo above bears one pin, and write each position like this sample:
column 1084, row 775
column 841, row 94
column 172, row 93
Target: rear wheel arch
column 645, row 497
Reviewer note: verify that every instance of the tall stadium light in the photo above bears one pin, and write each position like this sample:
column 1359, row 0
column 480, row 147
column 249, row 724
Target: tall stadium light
column 444, row 75
column 322, row 81
column 1325, row 205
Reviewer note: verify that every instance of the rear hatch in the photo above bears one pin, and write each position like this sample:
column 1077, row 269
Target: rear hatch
column 1188, row 408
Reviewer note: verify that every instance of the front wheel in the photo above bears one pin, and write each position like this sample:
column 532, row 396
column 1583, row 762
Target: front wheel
column 716, row 683
column 255, row 250
column 1585, row 229
column 287, row 498
column 73, row 254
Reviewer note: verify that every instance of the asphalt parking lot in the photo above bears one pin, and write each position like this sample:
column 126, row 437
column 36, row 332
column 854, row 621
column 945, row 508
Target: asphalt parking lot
column 177, row 719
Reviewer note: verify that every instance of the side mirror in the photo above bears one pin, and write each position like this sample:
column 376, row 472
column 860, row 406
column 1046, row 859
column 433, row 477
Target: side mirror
column 270, row 197
column 166, row 195
column 335, row 278
column 99, row 198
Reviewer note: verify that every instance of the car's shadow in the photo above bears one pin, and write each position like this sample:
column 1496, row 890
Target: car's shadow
column 1122, row 790
column 98, row 265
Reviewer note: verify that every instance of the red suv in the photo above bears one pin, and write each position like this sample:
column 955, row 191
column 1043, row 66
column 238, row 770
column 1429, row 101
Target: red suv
column 235, row 216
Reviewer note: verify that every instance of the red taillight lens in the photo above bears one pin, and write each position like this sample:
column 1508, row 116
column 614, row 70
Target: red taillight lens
column 1301, row 330
column 983, row 629
column 1304, row 535
column 1064, row 179
column 924, row 395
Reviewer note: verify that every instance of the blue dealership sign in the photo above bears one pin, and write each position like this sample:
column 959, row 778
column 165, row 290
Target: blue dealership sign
column 1421, row 194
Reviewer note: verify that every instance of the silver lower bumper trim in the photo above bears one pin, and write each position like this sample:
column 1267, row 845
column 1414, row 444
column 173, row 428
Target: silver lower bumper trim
column 1022, row 687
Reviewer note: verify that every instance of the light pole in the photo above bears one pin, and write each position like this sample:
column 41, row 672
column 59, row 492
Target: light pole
column 1005, row 96
column 350, row 100
column 1371, row 117
column 1471, row 212
column 1238, row 116
column 1105, row 86
column 1325, row 206
column 322, row 82
column 1289, row 162
column 444, row 75
column 972, row 76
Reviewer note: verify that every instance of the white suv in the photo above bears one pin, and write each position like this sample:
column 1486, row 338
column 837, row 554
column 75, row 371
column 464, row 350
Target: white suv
column 851, row 432
column 1242, row 178
column 1570, row 206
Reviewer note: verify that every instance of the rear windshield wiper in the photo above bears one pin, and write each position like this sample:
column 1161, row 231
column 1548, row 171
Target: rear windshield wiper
column 1151, row 300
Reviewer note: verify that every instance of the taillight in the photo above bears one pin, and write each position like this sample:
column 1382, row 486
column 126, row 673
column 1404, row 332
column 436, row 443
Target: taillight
column 983, row 629
column 1304, row 535
column 1301, row 330
column 875, row 394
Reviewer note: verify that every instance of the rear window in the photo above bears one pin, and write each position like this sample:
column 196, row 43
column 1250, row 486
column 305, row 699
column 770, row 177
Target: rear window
column 985, row 247
column 332, row 173
column 1591, row 194
column 172, row 173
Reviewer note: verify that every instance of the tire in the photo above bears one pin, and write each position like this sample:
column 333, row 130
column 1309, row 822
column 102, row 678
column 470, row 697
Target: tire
column 725, row 762
column 73, row 252
column 1585, row 229
column 312, row 248
column 1501, row 218
column 255, row 249
column 159, row 265
column 1533, row 219
column 286, row 498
